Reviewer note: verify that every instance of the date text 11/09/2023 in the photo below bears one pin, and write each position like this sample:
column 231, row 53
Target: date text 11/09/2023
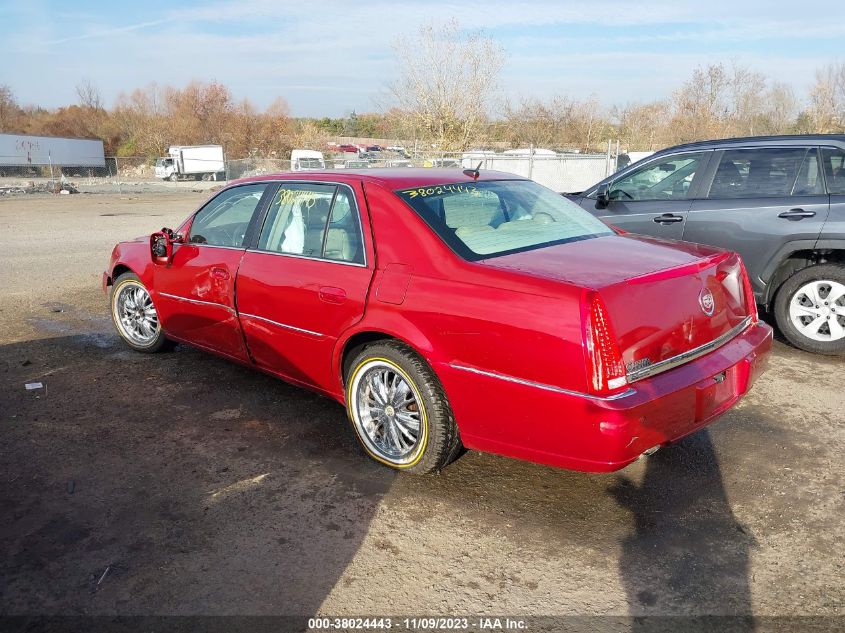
column 430, row 623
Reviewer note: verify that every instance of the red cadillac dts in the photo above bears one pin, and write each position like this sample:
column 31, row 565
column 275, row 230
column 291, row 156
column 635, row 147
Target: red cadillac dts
column 447, row 309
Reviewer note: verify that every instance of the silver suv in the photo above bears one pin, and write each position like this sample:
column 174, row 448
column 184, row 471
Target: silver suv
column 778, row 201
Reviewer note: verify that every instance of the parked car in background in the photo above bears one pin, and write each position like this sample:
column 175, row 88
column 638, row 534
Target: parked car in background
column 778, row 201
column 448, row 309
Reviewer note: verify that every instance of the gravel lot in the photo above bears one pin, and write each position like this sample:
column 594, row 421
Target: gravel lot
column 180, row 483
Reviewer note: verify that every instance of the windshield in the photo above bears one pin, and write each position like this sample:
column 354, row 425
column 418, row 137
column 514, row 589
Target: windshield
column 492, row 218
column 310, row 163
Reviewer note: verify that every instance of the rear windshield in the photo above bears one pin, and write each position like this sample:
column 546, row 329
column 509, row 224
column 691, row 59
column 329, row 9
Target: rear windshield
column 490, row 218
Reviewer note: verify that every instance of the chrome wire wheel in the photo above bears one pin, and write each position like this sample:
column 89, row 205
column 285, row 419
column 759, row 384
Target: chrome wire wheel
column 135, row 315
column 817, row 310
column 387, row 412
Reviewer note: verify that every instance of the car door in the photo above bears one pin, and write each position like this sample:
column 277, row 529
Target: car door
column 305, row 279
column 833, row 233
column 653, row 199
column 194, row 293
column 760, row 202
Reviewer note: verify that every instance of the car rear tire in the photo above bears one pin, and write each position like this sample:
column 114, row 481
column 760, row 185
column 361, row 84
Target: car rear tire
column 135, row 317
column 810, row 309
column 399, row 411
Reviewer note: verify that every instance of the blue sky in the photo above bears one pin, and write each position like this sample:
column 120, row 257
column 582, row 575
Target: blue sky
column 330, row 57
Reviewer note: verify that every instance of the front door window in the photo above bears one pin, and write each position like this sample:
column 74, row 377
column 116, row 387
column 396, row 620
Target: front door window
column 666, row 179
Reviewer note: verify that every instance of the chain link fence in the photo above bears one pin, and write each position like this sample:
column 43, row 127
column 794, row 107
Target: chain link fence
column 560, row 172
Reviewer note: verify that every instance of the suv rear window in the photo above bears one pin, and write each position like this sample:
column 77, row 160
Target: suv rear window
column 765, row 173
column 490, row 218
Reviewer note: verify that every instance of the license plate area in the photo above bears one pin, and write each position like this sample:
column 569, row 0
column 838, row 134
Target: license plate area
column 715, row 394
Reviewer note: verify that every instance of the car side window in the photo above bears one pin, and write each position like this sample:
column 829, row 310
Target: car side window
column 224, row 221
column 761, row 173
column 834, row 169
column 809, row 180
column 666, row 179
column 313, row 220
column 343, row 239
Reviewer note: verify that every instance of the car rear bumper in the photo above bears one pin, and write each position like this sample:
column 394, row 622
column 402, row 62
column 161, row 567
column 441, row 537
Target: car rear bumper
column 552, row 426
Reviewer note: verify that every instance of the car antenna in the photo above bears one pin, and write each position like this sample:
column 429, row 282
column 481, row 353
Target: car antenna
column 473, row 173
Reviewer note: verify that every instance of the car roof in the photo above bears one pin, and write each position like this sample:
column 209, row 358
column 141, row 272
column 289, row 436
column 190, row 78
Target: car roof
column 392, row 178
column 755, row 141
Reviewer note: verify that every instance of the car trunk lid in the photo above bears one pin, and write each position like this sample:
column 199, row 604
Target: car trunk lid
column 663, row 299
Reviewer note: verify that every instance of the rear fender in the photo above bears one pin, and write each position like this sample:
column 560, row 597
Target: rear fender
column 389, row 323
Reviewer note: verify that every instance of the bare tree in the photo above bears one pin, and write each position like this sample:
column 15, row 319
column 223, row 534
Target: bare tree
column 446, row 79
column 827, row 99
column 643, row 126
column 89, row 95
column 535, row 122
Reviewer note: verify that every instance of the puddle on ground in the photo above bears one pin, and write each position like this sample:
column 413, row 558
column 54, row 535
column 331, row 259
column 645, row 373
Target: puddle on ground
column 68, row 320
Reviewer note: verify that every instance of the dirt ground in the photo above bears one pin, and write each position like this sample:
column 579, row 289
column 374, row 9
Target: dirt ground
column 180, row 483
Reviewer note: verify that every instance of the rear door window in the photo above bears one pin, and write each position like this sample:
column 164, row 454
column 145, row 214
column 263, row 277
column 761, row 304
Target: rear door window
column 764, row 173
column 809, row 181
column 834, row 169
column 313, row 220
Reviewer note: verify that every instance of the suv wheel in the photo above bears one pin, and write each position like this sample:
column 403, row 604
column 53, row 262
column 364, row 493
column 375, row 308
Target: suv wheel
column 810, row 309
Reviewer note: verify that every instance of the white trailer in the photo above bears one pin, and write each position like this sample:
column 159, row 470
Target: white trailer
column 200, row 162
column 23, row 150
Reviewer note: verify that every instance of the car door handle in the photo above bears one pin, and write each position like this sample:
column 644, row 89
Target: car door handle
column 668, row 218
column 332, row 295
column 796, row 214
column 219, row 273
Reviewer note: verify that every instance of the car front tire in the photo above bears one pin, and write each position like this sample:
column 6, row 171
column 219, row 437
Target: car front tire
column 810, row 309
column 134, row 315
column 399, row 411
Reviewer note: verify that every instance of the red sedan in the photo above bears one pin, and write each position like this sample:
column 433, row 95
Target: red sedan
column 448, row 309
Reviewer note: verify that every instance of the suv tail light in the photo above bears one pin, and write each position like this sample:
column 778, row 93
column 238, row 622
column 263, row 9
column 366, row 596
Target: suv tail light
column 604, row 360
column 748, row 292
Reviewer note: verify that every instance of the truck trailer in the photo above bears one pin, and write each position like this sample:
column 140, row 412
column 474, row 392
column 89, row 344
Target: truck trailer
column 23, row 154
column 198, row 162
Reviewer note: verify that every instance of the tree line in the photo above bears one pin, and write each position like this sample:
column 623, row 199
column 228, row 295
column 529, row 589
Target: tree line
column 445, row 97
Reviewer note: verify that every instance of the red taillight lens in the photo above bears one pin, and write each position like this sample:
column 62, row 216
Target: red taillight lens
column 604, row 360
column 748, row 292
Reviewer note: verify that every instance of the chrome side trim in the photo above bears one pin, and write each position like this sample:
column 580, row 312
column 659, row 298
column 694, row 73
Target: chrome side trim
column 196, row 301
column 540, row 385
column 203, row 245
column 689, row 355
column 283, row 325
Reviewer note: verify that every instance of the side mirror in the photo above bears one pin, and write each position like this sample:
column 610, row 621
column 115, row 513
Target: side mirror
column 603, row 196
column 161, row 245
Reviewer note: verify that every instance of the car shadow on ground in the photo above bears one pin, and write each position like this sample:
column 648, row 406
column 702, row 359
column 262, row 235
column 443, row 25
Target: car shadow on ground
column 171, row 484
column 688, row 554
column 181, row 483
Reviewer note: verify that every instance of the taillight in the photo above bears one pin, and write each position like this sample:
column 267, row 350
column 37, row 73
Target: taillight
column 748, row 292
column 604, row 360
